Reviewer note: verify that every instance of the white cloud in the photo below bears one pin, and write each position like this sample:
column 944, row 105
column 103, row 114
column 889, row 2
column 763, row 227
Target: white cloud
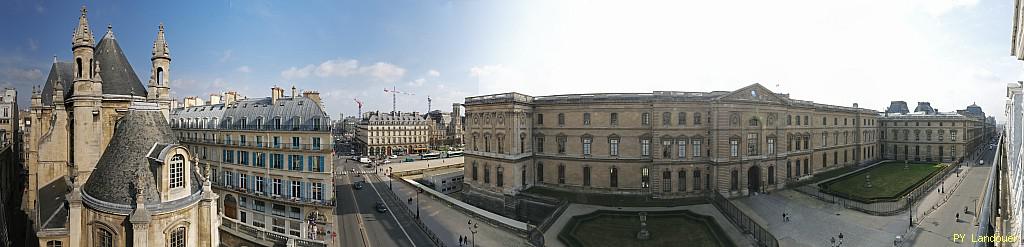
column 225, row 56
column 417, row 82
column 33, row 44
column 433, row 73
column 338, row 68
column 244, row 69
column 16, row 74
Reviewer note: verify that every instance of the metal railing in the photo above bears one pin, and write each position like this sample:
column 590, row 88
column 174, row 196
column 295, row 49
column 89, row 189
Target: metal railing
column 741, row 220
column 985, row 216
column 263, row 234
column 881, row 208
column 407, row 212
column 265, row 127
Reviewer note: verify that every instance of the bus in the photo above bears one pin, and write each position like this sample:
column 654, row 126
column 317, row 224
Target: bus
column 430, row 156
column 454, row 153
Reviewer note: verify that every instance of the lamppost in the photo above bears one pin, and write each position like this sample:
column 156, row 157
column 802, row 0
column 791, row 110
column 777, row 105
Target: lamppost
column 473, row 229
column 911, row 203
column 391, row 178
column 418, row 202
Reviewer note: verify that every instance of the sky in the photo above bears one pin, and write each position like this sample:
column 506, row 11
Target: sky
column 951, row 53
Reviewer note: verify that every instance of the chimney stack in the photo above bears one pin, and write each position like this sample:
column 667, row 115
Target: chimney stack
column 275, row 94
column 215, row 99
column 294, row 94
column 312, row 95
column 230, row 97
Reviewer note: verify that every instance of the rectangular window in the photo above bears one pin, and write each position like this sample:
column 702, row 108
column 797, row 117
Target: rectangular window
column 499, row 175
column 682, row 181
column 666, row 118
column 696, row 147
column 318, row 191
column 259, row 184
column 614, row 119
column 295, row 142
column 613, row 177
column 561, row 119
column 752, row 141
column 613, row 147
column 296, row 189
column 586, row 146
column 540, row 144
column 645, row 119
column 682, row 148
column 316, row 143
column 952, row 135
column 682, row 118
column 696, row 118
column 277, row 186
column 487, row 173
column 666, row 146
column 561, row 144
column 666, row 181
column 734, row 147
column 540, row 119
column 645, row 147
column 771, row 145
column 177, row 172
column 561, row 174
column 586, row 119
column 586, row 176
column 277, row 142
column 243, row 181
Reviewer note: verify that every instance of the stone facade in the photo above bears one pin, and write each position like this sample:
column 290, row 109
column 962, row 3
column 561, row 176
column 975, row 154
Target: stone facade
column 8, row 116
column 663, row 144
column 75, row 118
column 931, row 136
column 270, row 159
column 383, row 134
column 445, row 128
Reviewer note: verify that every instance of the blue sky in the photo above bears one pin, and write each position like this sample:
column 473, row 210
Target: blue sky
column 951, row 52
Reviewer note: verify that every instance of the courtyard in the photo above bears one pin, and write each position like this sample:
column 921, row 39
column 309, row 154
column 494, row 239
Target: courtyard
column 620, row 228
column 888, row 181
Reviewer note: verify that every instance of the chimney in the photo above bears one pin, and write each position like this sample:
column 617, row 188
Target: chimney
column 275, row 94
column 215, row 99
column 230, row 97
column 294, row 94
column 312, row 95
column 855, row 105
column 190, row 101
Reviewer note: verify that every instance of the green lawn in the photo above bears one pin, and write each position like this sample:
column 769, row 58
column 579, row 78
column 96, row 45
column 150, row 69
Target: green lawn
column 888, row 180
column 619, row 229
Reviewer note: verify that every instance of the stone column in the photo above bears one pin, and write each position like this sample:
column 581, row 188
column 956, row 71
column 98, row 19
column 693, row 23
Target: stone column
column 75, row 217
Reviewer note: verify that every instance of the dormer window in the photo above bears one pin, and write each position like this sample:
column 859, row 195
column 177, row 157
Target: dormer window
column 177, row 176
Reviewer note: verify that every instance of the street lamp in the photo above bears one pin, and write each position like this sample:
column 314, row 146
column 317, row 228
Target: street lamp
column 391, row 179
column 473, row 229
column 418, row 202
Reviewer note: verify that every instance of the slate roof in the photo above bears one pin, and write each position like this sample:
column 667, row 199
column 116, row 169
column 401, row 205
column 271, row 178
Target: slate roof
column 52, row 204
column 286, row 108
column 126, row 159
column 62, row 72
column 118, row 76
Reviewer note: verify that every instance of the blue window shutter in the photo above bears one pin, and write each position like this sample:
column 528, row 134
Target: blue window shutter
column 305, row 189
column 310, row 164
column 290, row 162
column 320, row 163
column 298, row 160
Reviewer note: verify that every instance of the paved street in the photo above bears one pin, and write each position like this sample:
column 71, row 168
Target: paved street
column 938, row 227
column 359, row 222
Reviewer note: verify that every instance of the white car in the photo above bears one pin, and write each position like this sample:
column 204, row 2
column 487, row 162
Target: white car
column 393, row 157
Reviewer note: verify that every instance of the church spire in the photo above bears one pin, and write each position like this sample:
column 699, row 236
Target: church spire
column 82, row 36
column 160, row 49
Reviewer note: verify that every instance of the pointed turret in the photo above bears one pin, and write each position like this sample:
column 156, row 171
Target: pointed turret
column 160, row 49
column 159, row 82
column 82, row 35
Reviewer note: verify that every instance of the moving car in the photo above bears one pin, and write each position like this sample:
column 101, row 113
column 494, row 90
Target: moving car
column 358, row 185
column 381, row 207
column 393, row 157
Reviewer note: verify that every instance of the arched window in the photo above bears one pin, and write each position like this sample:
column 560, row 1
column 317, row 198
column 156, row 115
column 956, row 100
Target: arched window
column 159, row 75
column 78, row 73
column 177, row 171
column 178, row 237
column 104, row 238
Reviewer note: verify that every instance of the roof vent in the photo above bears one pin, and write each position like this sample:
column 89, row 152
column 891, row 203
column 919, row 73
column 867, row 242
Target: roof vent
column 300, row 102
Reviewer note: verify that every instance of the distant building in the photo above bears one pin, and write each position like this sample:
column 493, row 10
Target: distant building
column 445, row 181
column 270, row 158
column 396, row 133
column 8, row 116
column 445, row 128
column 929, row 135
column 662, row 144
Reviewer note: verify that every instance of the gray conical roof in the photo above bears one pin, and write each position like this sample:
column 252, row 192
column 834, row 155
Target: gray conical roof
column 118, row 76
column 125, row 160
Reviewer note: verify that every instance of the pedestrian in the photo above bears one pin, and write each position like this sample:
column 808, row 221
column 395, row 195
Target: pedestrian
column 965, row 209
column 783, row 217
column 957, row 217
column 833, row 241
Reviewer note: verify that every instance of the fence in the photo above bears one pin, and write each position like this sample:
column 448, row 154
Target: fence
column 741, row 220
column 883, row 208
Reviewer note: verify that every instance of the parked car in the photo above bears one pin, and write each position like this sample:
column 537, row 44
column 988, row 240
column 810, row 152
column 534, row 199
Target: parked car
column 381, row 207
column 393, row 157
column 408, row 159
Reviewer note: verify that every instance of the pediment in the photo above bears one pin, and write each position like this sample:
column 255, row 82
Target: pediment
column 753, row 93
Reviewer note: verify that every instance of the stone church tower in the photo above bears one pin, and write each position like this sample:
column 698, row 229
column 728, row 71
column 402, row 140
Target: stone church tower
column 93, row 115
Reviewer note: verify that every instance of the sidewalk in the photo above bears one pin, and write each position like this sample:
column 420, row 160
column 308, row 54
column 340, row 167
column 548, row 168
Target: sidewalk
column 449, row 223
column 938, row 227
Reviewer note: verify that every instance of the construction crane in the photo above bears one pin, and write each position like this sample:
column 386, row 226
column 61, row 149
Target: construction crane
column 428, row 104
column 394, row 92
column 359, row 104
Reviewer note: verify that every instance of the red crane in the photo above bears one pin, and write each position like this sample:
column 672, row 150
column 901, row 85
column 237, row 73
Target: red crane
column 360, row 104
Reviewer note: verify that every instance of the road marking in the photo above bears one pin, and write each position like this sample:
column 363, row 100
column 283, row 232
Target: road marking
column 399, row 223
column 359, row 218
